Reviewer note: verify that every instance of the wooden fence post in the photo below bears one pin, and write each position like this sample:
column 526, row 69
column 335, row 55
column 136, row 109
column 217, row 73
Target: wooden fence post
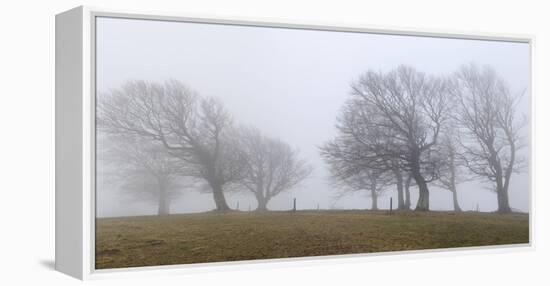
column 391, row 204
column 294, row 207
column 237, row 205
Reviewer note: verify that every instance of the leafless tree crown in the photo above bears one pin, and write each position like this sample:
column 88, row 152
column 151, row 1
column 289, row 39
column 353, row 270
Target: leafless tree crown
column 272, row 166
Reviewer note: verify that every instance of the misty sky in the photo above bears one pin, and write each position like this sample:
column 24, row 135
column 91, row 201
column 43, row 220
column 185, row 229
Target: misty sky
column 291, row 84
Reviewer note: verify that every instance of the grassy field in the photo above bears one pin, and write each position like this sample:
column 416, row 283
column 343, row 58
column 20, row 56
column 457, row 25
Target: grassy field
column 209, row 237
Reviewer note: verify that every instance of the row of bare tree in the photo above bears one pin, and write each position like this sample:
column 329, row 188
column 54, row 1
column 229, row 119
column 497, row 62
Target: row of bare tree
column 404, row 127
column 160, row 135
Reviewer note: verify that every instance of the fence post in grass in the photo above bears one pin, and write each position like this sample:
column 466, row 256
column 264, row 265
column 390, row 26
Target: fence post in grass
column 391, row 204
column 294, row 207
column 237, row 205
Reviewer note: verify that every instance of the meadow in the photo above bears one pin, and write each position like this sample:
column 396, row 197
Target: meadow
column 214, row 237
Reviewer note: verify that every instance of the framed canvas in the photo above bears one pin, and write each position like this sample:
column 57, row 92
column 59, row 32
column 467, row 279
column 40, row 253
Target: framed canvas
column 204, row 141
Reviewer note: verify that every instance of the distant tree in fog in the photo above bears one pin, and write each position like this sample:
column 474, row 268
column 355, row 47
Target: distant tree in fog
column 487, row 113
column 271, row 167
column 452, row 163
column 369, row 182
column 144, row 170
column 198, row 131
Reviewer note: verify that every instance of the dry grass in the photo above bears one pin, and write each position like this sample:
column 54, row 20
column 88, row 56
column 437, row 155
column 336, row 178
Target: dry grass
column 209, row 237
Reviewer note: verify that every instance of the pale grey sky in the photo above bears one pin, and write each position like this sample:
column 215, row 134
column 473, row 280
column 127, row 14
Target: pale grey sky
column 291, row 84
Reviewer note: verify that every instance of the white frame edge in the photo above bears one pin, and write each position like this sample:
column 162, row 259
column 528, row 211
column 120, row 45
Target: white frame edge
column 75, row 139
column 73, row 125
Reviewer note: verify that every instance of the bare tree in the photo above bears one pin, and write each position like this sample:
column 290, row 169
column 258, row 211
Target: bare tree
column 493, row 132
column 144, row 170
column 196, row 130
column 352, row 168
column 372, row 182
column 272, row 166
column 393, row 117
column 356, row 147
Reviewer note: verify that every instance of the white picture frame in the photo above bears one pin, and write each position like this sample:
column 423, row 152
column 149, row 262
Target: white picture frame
column 75, row 128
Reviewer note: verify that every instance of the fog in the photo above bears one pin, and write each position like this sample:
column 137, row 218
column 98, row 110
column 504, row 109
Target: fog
column 290, row 84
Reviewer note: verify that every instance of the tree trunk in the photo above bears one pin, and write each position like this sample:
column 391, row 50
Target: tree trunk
column 453, row 182
column 456, row 206
column 262, row 203
column 423, row 203
column 408, row 193
column 501, row 186
column 399, row 183
column 219, row 198
column 164, row 203
column 423, row 193
column 163, row 199
column 374, row 198
column 502, row 192
column 503, row 202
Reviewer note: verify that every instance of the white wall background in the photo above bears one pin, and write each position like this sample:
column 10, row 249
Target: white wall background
column 27, row 144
